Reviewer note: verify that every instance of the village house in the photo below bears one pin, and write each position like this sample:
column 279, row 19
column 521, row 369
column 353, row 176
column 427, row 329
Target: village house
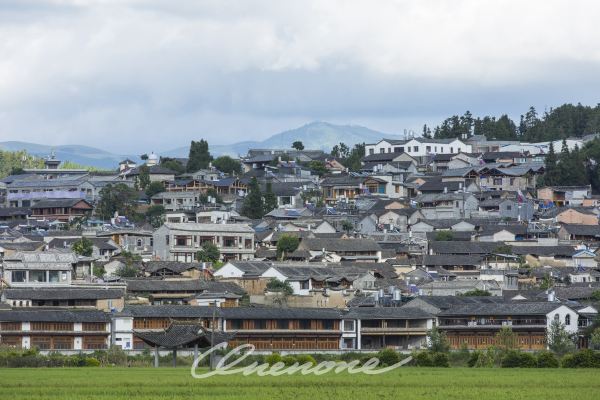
column 418, row 147
column 39, row 268
column 55, row 329
column 181, row 241
column 64, row 210
column 476, row 325
column 447, row 205
column 571, row 215
column 103, row 298
column 562, row 196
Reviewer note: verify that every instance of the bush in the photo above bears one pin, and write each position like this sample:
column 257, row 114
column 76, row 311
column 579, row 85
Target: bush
column 582, row 359
column 388, row 357
column 423, row 359
column 273, row 358
column 305, row 358
column 473, row 358
column 288, row 360
column 440, row 360
column 546, row 359
column 92, row 362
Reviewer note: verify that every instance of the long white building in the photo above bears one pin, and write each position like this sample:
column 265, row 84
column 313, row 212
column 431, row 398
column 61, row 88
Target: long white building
column 418, row 146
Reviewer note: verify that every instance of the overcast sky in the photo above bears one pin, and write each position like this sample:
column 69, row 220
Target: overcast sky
column 152, row 75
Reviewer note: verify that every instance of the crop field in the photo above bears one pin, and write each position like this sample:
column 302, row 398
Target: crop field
column 407, row 382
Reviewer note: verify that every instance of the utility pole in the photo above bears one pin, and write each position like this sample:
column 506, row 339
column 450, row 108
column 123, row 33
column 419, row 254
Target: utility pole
column 212, row 334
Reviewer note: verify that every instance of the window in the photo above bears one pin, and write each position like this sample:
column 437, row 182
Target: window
column 382, row 151
column 139, row 243
column 428, row 149
column 235, row 323
column 304, row 284
column 349, row 325
column 508, row 208
column 304, row 324
column 37, row 276
column 283, row 324
column 498, row 181
column 568, row 319
column 557, row 318
column 54, row 276
column 416, row 148
column 512, row 181
column 451, row 149
column 260, row 324
column 167, row 240
column 371, row 151
column 328, row 324
column 19, row 276
column 398, row 149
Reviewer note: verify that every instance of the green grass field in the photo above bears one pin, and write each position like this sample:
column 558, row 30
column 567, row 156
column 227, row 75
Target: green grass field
column 409, row 383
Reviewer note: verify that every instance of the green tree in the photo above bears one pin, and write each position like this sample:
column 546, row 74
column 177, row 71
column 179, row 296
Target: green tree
column 144, row 157
column 270, row 200
column 285, row 245
column 199, row 157
column 253, row 206
column 275, row 285
column 298, row 145
column 476, row 293
column 227, row 165
column 318, row 167
column 116, row 198
column 444, row 236
column 552, row 174
column 438, row 341
column 143, row 178
column 209, row 253
column 559, row 340
column 154, row 188
column 127, row 271
column 347, row 226
column 155, row 215
column 595, row 339
column 506, row 339
column 99, row 271
column 172, row 164
column 83, row 247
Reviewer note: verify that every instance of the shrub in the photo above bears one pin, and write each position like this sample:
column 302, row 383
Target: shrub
column 273, row 358
column 582, row 359
column 92, row 362
column 473, row 358
column 305, row 358
column 423, row 359
column 388, row 357
column 546, row 359
column 527, row 360
column 440, row 360
column 288, row 360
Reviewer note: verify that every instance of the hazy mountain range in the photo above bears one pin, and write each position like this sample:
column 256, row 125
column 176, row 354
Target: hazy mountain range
column 315, row 135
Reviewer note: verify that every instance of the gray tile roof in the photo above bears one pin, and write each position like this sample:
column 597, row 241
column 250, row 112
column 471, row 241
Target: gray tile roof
column 63, row 293
column 507, row 308
column 52, row 315
column 386, row 313
column 341, row 245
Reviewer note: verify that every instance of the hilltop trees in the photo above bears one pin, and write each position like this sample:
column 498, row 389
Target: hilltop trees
column 298, row 145
column 199, row 157
column 349, row 157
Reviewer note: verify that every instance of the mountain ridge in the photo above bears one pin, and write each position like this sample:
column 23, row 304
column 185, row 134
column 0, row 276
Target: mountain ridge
column 317, row 135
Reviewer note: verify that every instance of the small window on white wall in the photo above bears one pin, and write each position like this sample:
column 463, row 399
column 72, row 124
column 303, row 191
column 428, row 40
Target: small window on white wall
column 568, row 319
column 557, row 318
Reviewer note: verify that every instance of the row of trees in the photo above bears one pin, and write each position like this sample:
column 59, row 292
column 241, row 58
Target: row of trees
column 568, row 120
column 574, row 167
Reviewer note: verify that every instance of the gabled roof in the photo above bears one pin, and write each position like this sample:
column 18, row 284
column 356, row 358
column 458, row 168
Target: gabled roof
column 60, row 203
column 442, row 247
column 64, row 293
column 52, row 315
column 180, row 334
column 451, row 260
column 174, row 266
column 507, row 308
column 582, row 230
column 341, row 245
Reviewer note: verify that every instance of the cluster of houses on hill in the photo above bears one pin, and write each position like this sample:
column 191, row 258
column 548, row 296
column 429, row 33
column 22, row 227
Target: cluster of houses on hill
column 457, row 234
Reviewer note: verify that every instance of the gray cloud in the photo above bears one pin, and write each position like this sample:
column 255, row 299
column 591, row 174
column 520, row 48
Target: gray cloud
column 133, row 74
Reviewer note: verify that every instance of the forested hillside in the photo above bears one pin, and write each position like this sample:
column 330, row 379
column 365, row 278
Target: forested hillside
column 565, row 121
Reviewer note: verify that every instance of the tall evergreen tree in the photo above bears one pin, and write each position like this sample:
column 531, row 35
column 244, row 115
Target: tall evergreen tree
column 270, row 199
column 551, row 176
column 253, row 207
column 199, row 157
